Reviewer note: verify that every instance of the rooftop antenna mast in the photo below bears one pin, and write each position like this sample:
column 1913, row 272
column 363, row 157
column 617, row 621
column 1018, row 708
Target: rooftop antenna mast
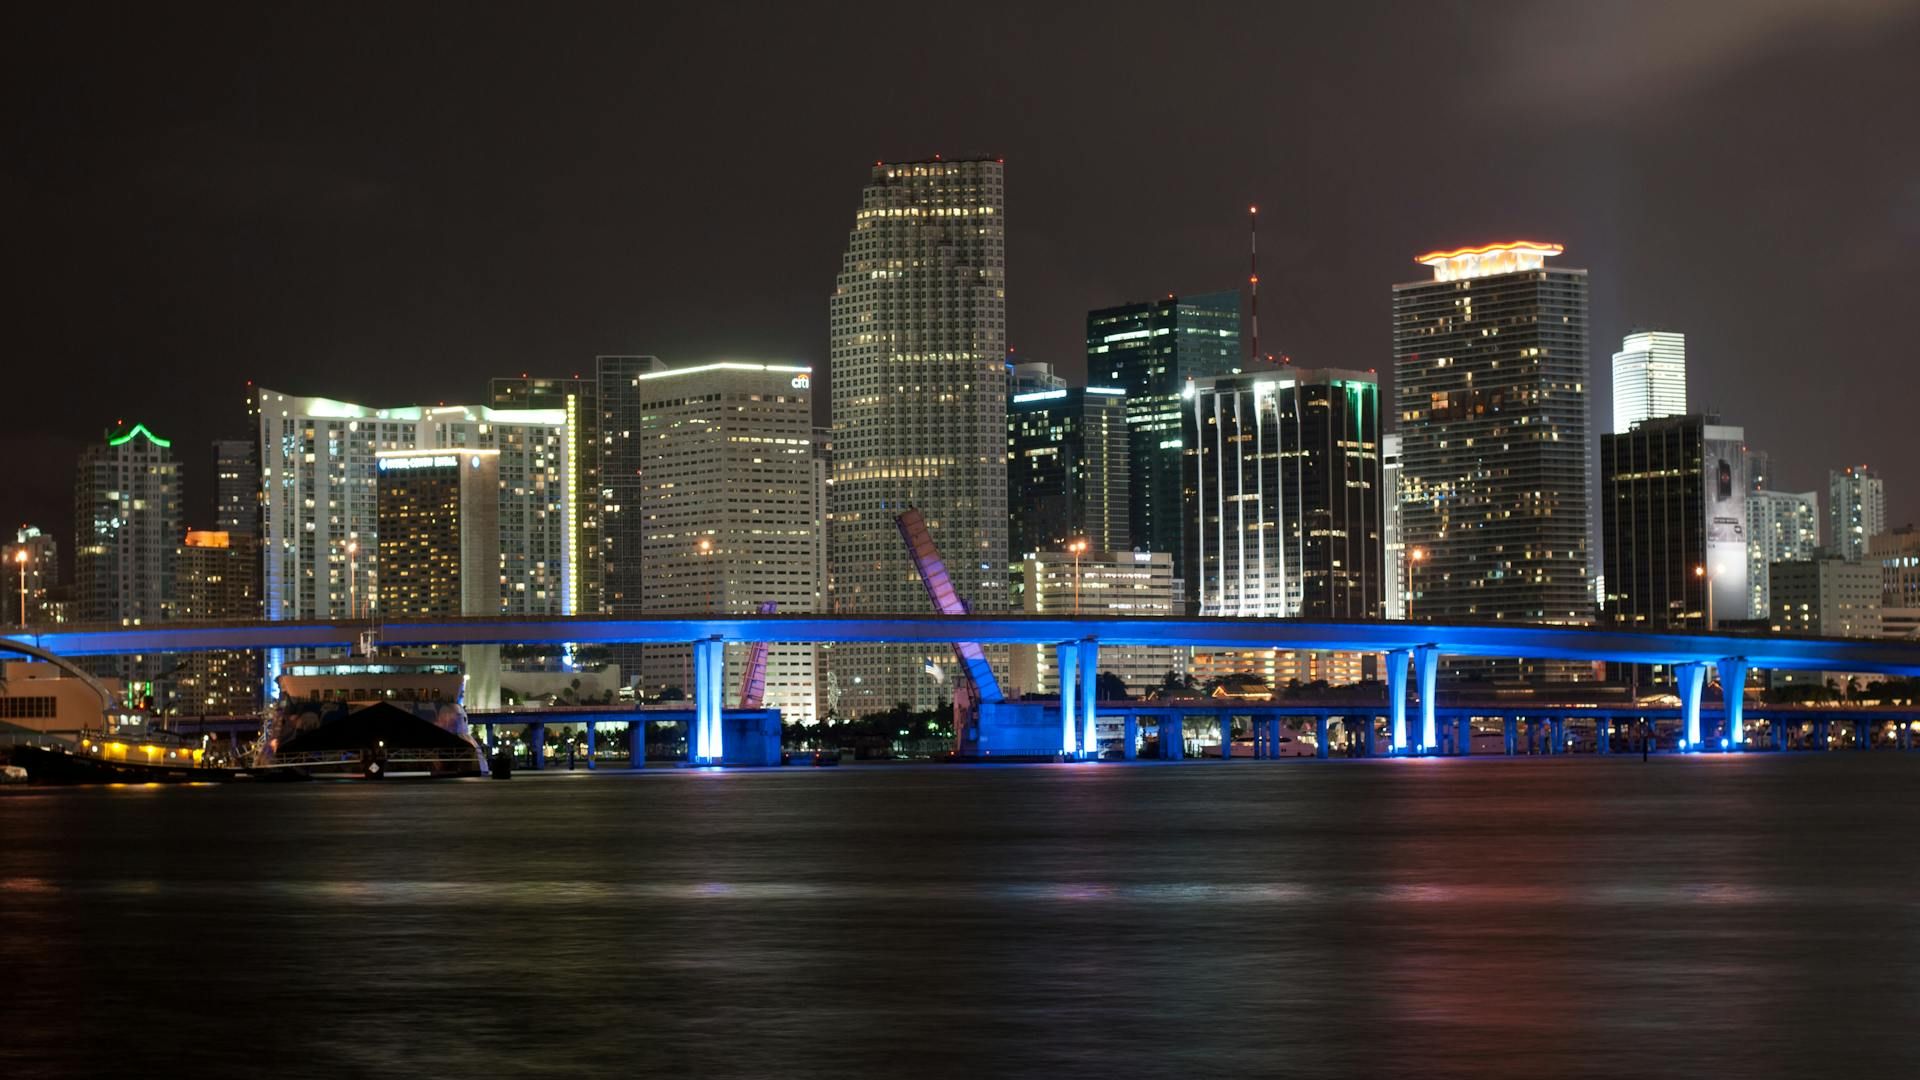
column 1253, row 278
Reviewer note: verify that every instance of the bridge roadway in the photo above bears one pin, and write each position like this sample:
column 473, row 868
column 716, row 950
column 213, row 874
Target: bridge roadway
column 1013, row 731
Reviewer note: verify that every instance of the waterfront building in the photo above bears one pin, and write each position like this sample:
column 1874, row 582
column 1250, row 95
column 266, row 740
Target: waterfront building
column 1898, row 555
column 1284, row 493
column 582, row 447
column 1067, row 469
column 1491, row 399
column 127, row 512
column 1674, row 521
column 1827, row 596
column 1649, row 378
column 1125, row 583
column 439, row 529
column 1150, row 349
column 320, row 510
column 236, row 487
column 729, row 489
column 918, row 346
column 1782, row 526
column 1856, row 510
column 216, row 575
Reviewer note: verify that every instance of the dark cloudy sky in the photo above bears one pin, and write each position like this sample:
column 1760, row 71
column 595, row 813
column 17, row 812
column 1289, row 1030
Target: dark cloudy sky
column 392, row 203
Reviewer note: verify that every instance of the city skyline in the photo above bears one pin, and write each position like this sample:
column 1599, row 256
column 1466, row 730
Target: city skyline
column 322, row 264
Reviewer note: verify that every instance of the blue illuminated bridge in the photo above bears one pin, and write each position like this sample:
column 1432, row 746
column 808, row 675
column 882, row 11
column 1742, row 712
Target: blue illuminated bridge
column 1035, row 728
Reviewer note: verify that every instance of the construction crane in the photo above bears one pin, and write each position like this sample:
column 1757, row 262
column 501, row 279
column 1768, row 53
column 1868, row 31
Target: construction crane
column 753, row 688
column 979, row 684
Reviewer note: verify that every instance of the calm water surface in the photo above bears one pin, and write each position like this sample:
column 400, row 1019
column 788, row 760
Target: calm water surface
column 1755, row 916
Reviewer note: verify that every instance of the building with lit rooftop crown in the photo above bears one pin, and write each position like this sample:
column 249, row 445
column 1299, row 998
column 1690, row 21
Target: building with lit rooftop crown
column 1490, row 388
column 1649, row 378
column 918, row 347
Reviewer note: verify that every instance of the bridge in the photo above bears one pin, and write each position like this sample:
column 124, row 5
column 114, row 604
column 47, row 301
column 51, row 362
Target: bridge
column 1029, row 729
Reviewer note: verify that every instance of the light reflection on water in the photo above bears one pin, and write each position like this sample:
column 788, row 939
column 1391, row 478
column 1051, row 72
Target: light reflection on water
column 1566, row 917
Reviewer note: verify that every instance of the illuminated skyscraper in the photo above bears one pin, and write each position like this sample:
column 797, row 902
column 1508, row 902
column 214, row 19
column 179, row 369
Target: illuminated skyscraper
column 320, row 512
column 919, row 342
column 1490, row 388
column 127, row 518
column 579, row 399
column 1649, row 378
column 1782, row 526
column 728, row 499
column 38, row 574
column 1067, row 469
column 1856, row 510
column 216, row 576
column 1150, row 350
column 439, row 533
column 1674, row 513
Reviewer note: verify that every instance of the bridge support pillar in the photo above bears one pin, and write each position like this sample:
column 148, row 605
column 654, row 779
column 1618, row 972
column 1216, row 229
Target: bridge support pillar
column 1779, row 727
column 1691, row 681
column 636, row 743
column 1322, row 732
column 1863, row 734
column 1463, row 736
column 537, row 745
column 1512, row 726
column 1226, row 737
column 1603, row 735
column 1130, row 739
column 1173, row 738
column 709, row 696
column 1559, row 734
column 1426, row 668
column 1067, row 667
column 591, row 726
column 1396, row 664
column 1733, row 692
column 1822, row 735
column 1089, row 665
column 1904, row 728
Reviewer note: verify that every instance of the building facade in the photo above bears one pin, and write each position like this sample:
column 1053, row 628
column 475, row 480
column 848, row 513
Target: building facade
column 1067, row 469
column 1492, row 403
column 1827, row 596
column 127, row 514
column 31, row 565
column 1395, row 584
column 216, row 575
column 1674, row 522
column 1124, row 583
column 918, row 346
column 1782, row 526
column 320, row 483
column 1898, row 555
column 1856, row 510
column 581, row 450
column 1150, row 350
column 1649, row 378
column 729, row 502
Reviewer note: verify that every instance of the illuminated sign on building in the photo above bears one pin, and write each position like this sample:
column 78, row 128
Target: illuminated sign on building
column 1488, row 259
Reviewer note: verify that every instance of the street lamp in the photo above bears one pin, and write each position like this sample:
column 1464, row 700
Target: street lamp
column 1077, row 547
column 1706, row 581
column 705, row 550
column 1416, row 555
column 353, row 583
column 20, row 556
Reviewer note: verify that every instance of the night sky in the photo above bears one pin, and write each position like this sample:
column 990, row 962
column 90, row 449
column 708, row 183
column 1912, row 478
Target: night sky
column 391, row 207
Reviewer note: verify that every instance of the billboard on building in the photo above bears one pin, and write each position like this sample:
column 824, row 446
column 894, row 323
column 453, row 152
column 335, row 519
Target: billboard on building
column 1726, row 516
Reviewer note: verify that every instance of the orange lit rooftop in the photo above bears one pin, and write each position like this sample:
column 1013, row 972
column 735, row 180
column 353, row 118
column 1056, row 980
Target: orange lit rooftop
column 1502, row 258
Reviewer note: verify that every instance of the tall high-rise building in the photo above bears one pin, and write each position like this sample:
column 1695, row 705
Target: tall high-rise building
column 1898, row 555
column 1782, row 526
column 127, row 514
column 1067, row 470
column 216, row 577
column 1284, row 491
column 1490, row 389
column 236, row 487
column 439, row 531
column 1150, row 350
column 1649, row 378
column 320, row 521
column 1856, row 510
column 1674, row 521
column 919, row 341
column 728, row 497
column 582, row 447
